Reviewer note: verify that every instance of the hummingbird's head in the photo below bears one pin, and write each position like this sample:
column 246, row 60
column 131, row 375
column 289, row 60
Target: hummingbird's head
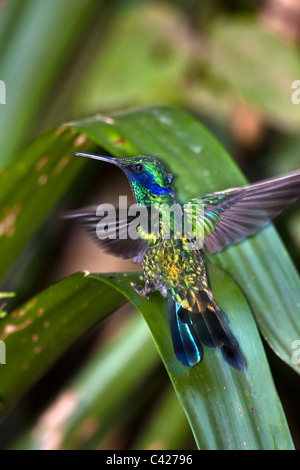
column 149, row 180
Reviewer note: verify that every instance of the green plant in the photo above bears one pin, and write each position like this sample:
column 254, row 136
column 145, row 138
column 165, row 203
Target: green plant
column 79, row 374
column 225, row 408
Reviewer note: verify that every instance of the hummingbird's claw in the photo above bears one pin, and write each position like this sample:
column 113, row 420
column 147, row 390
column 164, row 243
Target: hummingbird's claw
column 142, row 291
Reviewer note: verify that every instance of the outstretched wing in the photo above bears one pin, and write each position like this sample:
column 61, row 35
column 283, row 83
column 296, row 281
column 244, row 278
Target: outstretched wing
column 233, row 215
column 116, row 241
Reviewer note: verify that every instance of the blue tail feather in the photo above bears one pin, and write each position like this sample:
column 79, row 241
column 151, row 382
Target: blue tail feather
column 187, row 347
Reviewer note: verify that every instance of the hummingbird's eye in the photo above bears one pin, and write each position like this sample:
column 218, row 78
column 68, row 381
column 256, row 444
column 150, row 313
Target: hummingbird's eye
column 138, row 168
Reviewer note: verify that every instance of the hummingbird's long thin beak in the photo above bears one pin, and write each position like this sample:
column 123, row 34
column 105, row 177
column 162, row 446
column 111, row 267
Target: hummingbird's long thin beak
column 103, row 158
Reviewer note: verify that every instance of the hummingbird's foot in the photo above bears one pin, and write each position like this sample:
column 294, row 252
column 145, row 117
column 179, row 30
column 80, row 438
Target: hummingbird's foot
column 142, row 290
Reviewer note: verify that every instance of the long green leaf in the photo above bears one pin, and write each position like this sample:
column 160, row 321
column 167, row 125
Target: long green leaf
column 32, row 186
column 225, row 408
column 31, row 64
column 167, row 428
column 101, row 396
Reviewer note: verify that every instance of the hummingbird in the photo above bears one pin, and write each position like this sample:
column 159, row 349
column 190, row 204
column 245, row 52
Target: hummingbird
column 177, row 271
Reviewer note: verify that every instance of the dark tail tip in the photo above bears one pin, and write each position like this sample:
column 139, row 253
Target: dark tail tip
column 234, row 357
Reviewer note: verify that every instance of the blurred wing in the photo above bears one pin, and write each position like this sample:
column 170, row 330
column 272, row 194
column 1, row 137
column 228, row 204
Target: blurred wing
column 115, row 242
column 233, row 215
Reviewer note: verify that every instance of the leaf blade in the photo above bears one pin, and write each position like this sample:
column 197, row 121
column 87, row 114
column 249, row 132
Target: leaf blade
column 198, row 162
column 32, row 186
column 226, row 409
column 39, row 331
